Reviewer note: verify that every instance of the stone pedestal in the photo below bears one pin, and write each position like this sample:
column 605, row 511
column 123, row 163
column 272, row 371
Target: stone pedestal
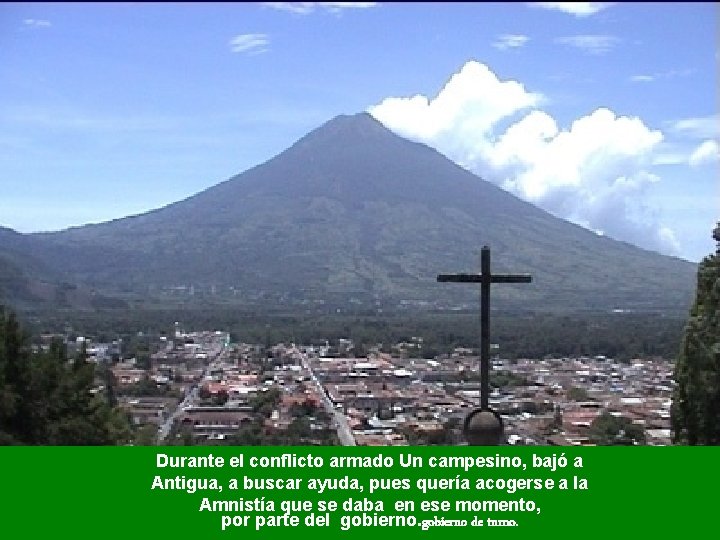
column 484, row 427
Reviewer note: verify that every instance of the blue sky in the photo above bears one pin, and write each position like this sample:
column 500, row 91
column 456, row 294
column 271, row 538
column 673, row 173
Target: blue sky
column 605, row 114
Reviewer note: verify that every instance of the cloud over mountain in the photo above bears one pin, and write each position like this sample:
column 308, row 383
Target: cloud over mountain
column 593, row 172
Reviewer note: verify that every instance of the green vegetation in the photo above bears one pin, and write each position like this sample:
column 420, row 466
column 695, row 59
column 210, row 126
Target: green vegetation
column 48, row 399
column 504, row 379
column 148, row 388
column 577, row 394
column 696, row 404
column 609, row 430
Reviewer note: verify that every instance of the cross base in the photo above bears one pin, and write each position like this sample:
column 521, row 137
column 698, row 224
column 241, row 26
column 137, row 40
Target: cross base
column 483, row 427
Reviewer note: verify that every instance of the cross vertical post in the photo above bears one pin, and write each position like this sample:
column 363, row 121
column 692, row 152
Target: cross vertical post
column 485, row 328
column 483, row 425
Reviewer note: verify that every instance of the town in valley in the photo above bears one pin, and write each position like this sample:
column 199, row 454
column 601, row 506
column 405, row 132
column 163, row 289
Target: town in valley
column 199, row 387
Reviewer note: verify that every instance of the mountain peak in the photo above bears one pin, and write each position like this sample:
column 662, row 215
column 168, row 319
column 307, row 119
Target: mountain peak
column 345, row 129
column 362, row 120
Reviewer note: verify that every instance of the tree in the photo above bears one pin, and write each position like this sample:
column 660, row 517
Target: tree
column 221, row 398
column 608, row 430
column 299, row 431
column 46, row 398
column 14, row 377
column 146, row 435
column 577, row 394
column 264, row 403
column 305, row 408
column 696, row 401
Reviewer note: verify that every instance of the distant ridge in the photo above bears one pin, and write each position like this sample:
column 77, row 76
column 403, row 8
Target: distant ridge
column 27, row 282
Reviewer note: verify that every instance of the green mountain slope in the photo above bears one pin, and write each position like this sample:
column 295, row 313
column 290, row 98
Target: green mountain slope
column 28, row 282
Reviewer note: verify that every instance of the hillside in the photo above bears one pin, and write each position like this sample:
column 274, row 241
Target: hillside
column 27, row 282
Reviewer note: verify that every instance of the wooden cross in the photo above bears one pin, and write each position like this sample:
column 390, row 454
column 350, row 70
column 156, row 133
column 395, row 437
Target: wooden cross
column 485, row 278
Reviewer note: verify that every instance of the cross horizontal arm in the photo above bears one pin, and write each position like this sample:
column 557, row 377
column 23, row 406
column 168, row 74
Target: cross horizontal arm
column 477, row 278
column 459, row 278
column 511, row 278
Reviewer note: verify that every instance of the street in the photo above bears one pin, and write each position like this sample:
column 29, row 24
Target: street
column 343, row 429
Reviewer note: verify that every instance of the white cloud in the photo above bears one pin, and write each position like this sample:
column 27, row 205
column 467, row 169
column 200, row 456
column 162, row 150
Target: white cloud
column 305, row 8
column 472, row 101
column 707, row 152
column 590, row 43
column 673, row 73
column 677, row 73
column 642, row 78
column 670, row 158
column 37, row 23
column 579, row 9
column 702, row 127
column 249, row 43
column 301, row 8
column 510, row 41
column 336, row 7
column 593, row 172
